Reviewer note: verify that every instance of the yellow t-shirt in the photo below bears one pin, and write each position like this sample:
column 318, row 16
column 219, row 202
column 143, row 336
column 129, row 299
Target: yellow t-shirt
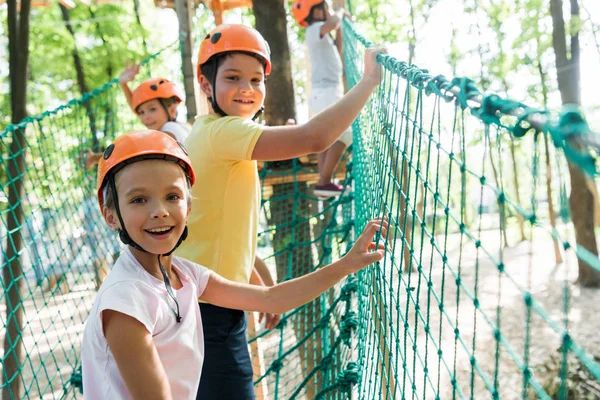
column 223, row 223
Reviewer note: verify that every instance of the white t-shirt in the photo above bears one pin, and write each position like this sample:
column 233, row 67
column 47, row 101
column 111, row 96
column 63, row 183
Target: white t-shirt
column 130, row 290
column 325, row 61
column 177, row 129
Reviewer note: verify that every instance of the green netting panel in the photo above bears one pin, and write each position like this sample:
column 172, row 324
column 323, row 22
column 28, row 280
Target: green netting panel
column 309, row 354
column 471, row 300
column 55, row 245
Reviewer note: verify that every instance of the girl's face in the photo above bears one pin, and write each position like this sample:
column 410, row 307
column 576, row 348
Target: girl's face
column 153, row 202
column 320, row 13
column 240, row 85
column 153, row 115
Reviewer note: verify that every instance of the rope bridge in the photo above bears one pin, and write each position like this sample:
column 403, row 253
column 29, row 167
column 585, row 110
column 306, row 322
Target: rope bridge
column 474, row 298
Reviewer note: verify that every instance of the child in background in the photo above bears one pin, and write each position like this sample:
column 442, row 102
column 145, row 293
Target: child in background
column 326, row 86
column 155, row 102
column 144, row 338
column 224, row 148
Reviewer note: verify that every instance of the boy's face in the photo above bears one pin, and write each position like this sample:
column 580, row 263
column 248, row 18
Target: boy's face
column 153, row 115
column 240, row 85
column 153, row 203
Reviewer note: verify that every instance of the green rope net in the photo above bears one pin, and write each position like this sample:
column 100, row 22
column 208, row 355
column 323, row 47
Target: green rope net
column 474, row 298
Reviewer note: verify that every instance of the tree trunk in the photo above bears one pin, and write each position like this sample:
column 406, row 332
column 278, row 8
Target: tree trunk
column 271, row 19
column 412, row 38
column 12, row 273
column 498, row 184
column 136, row 10
column 185, row 10
column 105, row 43
column 551, row 211
column 80, row 76
column 581, row 201
column 520, row 219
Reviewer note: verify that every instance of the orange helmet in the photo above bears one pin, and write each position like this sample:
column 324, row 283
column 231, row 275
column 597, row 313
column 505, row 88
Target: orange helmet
column 138, row 146
column 234, row 37
column 301, row 10
column 155, row 88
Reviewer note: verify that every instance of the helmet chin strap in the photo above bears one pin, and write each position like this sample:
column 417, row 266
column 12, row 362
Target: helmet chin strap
column 162, row 103
column 126, row 239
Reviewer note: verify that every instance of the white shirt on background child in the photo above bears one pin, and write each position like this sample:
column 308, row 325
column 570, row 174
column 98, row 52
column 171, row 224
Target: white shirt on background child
column 177, row 129
column 131, row 290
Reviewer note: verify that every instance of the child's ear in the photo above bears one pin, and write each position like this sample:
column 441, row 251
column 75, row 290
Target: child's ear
column 173, row 111
column 111, row 218
column 206, row 86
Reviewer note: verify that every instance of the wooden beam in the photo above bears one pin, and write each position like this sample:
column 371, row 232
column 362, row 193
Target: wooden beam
column 185, row 10
column 310, row 175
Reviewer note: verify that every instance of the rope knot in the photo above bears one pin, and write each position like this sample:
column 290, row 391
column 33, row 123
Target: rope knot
column 348, row 325
column 350, row 287
column 76, row 380
column 349, row 377
column 276, row 365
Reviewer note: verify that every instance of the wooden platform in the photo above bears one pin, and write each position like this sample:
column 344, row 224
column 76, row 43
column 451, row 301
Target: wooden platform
column 309, row 174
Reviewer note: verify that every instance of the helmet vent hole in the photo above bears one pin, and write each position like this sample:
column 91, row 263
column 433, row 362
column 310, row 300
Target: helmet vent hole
column 153, row 87
column 215, row 38
column 161, row 82
column 108, row 151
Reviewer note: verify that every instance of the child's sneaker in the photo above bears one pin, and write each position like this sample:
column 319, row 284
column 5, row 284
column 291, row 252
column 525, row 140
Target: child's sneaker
column 328, row 190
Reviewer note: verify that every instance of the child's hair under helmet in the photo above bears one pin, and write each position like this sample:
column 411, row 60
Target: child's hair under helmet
column 231, row 38
column 133, row 147
column 301, row 10
column 156, row 88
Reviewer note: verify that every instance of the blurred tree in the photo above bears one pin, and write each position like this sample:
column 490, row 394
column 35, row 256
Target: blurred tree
column 18, row 51
column 581, row 201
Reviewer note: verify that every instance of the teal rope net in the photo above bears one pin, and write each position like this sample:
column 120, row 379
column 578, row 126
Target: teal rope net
column 474, row 298
column 457, row 307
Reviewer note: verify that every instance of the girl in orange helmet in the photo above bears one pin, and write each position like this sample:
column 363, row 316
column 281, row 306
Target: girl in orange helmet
column 143, row 338
column 233, row 62
column 155, row 102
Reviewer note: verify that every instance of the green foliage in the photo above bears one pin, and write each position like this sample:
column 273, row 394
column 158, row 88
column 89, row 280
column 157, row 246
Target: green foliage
column 105, row 37
column 381, row 20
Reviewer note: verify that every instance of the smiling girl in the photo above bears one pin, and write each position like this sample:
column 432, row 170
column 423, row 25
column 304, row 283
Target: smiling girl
column 144, row 338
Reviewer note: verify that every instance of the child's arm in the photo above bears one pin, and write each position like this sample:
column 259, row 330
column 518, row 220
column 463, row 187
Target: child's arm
column 127, row 76
column 143, row 374
column 271, row 320
column 263, row 271
column 88, row 158
column 296, row 292
column 333, row 22
column 321, row 131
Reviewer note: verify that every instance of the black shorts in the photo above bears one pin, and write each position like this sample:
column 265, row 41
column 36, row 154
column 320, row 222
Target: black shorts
column 227, row 369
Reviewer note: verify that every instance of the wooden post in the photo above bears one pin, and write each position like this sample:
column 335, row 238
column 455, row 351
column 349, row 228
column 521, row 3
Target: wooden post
column 184, row 10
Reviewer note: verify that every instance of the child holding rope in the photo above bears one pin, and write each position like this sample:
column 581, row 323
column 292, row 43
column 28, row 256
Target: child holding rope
column 144, row 337
column 224, row 147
